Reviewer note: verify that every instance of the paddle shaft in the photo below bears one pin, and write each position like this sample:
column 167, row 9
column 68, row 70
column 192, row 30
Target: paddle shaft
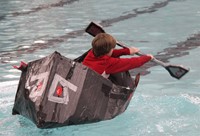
column 141, row 54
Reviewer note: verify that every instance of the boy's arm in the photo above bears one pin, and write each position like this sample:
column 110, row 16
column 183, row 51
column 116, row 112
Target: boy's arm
column 116, row 65
column 119, row 52
column 126, row 51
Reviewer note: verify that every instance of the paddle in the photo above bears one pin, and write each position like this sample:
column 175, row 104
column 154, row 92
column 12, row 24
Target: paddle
column 175, row 71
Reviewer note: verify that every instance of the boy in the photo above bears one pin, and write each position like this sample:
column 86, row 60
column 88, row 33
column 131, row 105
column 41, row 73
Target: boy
column 104, row 59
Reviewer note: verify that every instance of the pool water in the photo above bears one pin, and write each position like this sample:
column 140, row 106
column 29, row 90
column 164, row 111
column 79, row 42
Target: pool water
column 168, row 29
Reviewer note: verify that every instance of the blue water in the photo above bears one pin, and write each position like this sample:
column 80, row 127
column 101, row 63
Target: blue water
column 169, row 29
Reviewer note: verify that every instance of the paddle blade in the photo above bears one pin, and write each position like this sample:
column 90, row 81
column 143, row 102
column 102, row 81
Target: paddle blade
column 94, row 29
column 176, row 71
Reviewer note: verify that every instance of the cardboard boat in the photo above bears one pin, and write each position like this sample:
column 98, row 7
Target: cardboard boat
column 56, row 91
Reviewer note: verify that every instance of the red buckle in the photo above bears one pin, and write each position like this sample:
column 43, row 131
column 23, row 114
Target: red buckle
column 22, row 66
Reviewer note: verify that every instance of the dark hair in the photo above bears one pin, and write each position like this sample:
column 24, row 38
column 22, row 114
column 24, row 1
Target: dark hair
column 102, row 44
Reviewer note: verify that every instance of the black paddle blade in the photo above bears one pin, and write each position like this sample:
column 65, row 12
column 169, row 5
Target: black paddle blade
column 94, row 29
column 176, row 71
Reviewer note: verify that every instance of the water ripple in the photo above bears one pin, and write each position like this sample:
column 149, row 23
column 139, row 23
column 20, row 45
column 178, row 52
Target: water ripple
column 60, row 3
column 193, row 99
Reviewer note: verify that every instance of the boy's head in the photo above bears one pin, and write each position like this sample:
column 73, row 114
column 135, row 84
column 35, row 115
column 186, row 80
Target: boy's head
column 102, row 44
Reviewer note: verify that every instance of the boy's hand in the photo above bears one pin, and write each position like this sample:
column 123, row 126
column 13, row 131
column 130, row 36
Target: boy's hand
column 150, row 56
column 133, row 50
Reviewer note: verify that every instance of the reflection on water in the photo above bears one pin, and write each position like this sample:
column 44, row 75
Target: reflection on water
column 45, row 6
column 7, row 56
column 135, row 12
column 60, row 3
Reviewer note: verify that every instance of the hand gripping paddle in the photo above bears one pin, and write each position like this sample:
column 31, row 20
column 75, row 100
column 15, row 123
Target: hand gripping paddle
column 175, row 71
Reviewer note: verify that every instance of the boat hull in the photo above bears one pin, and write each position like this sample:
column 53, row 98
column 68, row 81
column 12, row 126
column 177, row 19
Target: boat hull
column 56, row 91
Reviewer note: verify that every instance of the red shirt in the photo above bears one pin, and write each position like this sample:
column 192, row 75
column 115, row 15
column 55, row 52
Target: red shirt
column 114, row 64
